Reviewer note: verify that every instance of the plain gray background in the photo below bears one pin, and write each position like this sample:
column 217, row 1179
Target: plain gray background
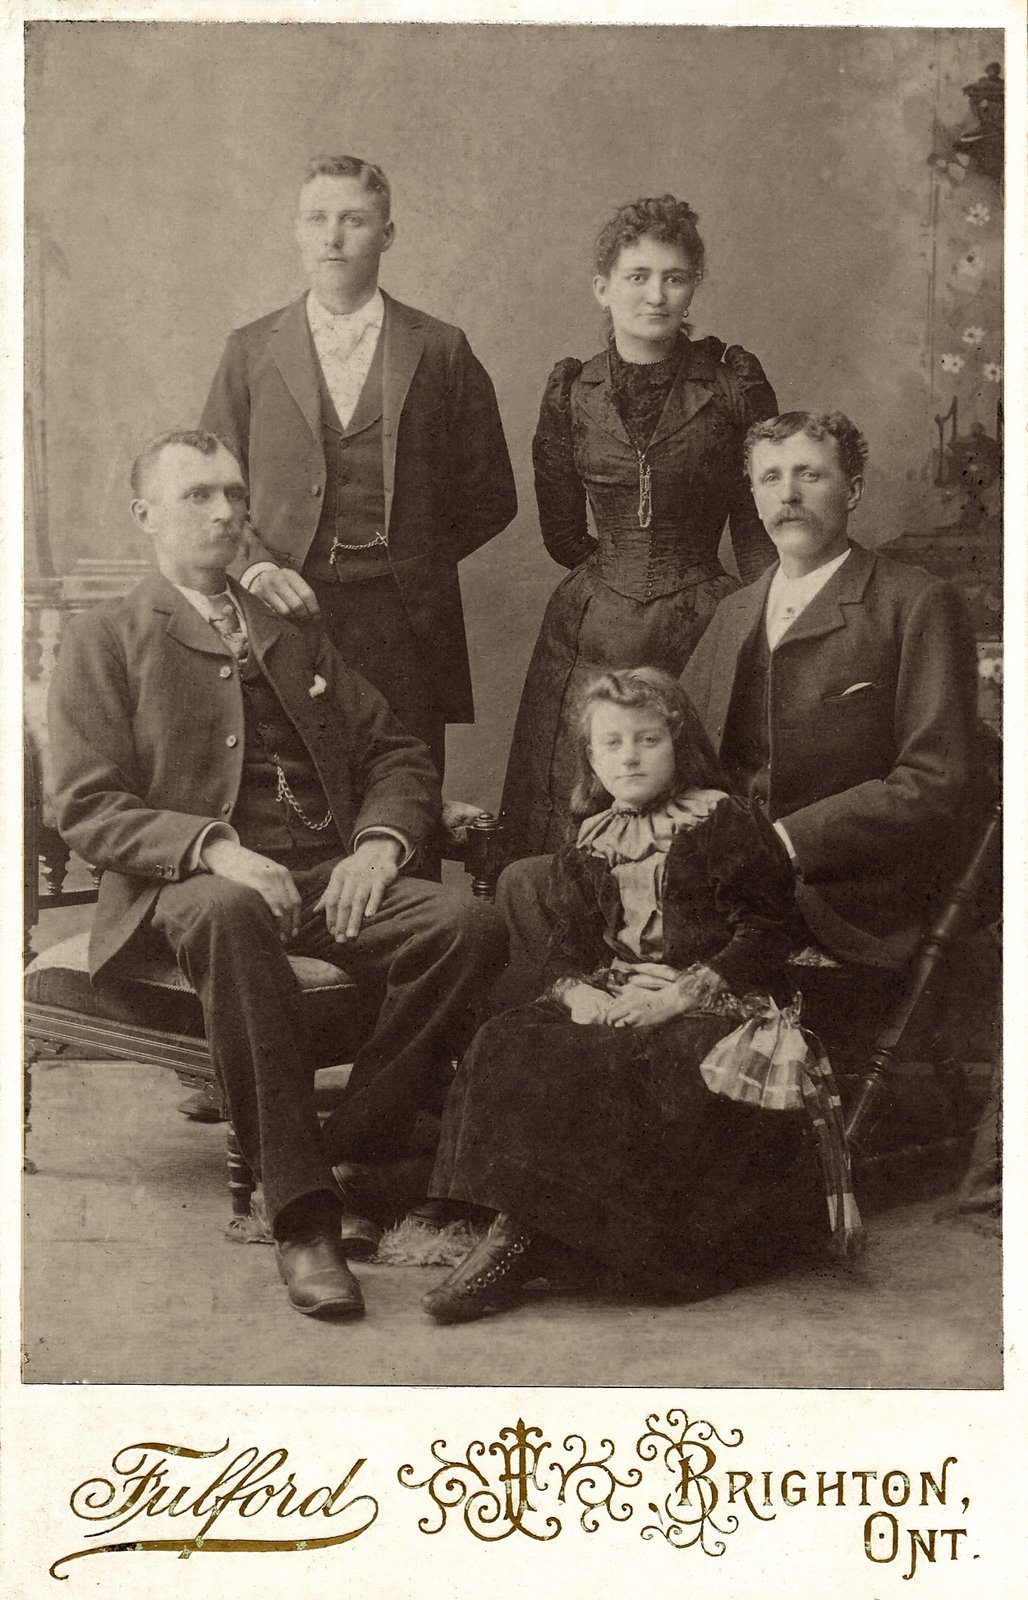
column 162, row 166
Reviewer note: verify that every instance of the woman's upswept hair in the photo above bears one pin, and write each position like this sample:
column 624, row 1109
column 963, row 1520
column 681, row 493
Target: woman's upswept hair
column 670, row 220
column 644, row 689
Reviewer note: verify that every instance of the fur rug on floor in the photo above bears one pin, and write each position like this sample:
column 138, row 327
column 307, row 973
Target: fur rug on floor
column 409, row 1244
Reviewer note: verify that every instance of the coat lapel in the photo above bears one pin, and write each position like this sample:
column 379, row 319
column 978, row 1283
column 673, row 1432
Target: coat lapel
column 594, row 382
column 185, row 623
column 263, row 626
column 692, row 388
column 292, row 350
column 690, row 392
column 825, row 612
column 403, row 346
column 740, row 616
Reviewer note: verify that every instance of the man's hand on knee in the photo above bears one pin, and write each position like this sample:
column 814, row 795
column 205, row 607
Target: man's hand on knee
column 355, row 889
column 224, row 858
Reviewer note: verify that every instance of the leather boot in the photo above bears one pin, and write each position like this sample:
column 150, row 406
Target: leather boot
column 488, row 1278
column 317, row 1279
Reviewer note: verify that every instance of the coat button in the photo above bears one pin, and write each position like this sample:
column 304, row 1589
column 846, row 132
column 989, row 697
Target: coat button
column 224, row 672
column 231, row 741
column 315, row 488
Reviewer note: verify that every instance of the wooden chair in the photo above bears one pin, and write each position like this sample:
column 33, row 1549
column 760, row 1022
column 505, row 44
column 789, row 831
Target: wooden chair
column 921, row 991
column 890, row 1131
column 157, row 1020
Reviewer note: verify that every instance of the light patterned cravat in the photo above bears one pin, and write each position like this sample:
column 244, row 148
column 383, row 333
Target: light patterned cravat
column 346, row 346
column 225, row 620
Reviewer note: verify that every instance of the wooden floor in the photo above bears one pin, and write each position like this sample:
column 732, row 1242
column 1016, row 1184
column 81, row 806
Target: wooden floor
column 129, row 1278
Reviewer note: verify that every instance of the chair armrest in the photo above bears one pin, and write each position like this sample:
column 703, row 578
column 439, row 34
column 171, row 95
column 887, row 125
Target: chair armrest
column 457, row 817
column 475, row 837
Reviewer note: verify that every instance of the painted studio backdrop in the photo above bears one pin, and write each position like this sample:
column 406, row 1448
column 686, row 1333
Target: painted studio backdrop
column 848, row 183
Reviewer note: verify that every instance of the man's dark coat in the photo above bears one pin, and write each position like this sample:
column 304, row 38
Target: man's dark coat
column 146, row 722
column 448, row 481
column 872, row 720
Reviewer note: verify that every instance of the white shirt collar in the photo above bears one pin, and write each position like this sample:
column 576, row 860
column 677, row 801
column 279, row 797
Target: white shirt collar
column 787, row 598
column 202, row 602
column 369, row 315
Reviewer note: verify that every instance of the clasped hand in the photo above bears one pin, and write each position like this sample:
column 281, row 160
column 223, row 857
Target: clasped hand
column 353, row 892
column 654, row 993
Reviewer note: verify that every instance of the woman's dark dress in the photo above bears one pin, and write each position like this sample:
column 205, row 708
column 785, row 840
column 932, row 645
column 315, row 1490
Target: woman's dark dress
column 636, row 596
column 608, row 1138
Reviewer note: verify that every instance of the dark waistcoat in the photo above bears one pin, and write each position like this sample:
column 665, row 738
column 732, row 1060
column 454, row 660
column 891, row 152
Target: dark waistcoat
column 746, row 749
column 262, row 821
column 353, row 510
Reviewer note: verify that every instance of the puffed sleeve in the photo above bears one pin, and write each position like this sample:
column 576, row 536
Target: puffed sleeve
column 559, row 491
column 751, row 877
column 753, row 401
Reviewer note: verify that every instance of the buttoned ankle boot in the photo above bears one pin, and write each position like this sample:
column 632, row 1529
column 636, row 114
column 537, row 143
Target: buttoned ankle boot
column 488, row 1279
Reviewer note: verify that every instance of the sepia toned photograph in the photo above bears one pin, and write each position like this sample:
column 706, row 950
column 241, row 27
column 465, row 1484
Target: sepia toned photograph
column 513, row 705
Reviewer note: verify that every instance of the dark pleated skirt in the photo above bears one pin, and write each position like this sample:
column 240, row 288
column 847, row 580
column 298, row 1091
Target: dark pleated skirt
column 608, row 1140
column 587, row 629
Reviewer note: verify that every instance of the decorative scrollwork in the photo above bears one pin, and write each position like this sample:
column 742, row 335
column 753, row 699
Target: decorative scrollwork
column 490, row 1513
column 501, row 1488
column 495, row 1506
column 685, row 1515
column 594, row 1483
column 446, row 1485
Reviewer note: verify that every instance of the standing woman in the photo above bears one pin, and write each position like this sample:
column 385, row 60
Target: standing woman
column 650, row 432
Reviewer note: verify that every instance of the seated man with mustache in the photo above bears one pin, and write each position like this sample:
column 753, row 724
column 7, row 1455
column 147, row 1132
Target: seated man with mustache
column 839, row 691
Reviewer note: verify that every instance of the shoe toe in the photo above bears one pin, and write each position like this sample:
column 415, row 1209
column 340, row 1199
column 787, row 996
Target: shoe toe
column 201, row 1107
column 328, row 1295
column 318, row 1281
column 489, row 1278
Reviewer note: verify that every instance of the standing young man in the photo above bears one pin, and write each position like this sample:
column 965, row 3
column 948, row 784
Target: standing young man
column 375, row 455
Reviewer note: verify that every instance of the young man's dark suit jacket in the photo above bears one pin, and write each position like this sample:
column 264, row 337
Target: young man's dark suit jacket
column 448, row 481
column 146, row 722
column 873, row 731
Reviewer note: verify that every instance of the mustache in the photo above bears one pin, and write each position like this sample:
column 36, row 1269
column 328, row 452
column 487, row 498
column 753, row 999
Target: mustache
column 795, row 516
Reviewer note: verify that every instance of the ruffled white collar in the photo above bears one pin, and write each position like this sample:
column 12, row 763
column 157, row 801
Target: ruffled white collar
column 625, row 834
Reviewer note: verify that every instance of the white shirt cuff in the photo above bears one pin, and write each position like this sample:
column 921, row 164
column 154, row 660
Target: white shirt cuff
column 213, row 830
column 779, row 828
column 247, row 580
column 785, row 840
column 387, row 833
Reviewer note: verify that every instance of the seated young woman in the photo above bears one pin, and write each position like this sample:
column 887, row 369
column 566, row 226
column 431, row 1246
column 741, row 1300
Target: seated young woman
column 588, row 1117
